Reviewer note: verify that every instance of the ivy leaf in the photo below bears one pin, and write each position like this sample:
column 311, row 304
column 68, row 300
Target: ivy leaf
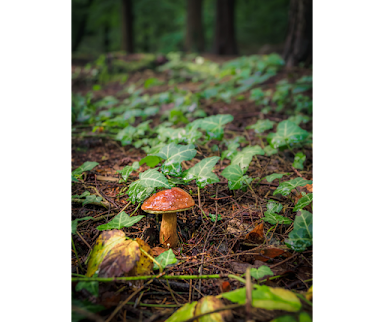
column 286, row 187
column 274, row 206
column 297, row 119
column 274, row 218
column 244, row 158
column 287, row 133
column 164, row 259
column 174, row 154
column 120, row 221
column 126, row 171
column 301, row 236
column 86, row 306
column 86, row 166
column 261, row 126
column 91, row 198
column 150, row 160
column 152, row 178
column 303, row 201
column 298, row 163
column 274, row 176
column 235, row 177
column 184, row 313
column 137, row 192
column 213, row 125
column 259, row 273
column 231, row 151
column 75, row 222
column 83, row 195
column 269, row 150
column 201, row 172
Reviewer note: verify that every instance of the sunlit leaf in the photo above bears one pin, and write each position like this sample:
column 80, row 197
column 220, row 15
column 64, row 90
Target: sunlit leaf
column 184, row 313
column 202, row 172
column 174, row 154
column 301, row 236
column 150, row 160
column 286, row 187
column 212, row 303
column 120, row 221
column 113, row 255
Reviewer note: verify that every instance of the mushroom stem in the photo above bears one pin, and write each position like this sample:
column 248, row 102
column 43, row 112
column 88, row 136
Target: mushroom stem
column 168, row 230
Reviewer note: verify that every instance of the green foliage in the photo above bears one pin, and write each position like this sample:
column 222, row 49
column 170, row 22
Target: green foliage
column 304, row 201
column 286, row 187
column 174, row 154
column 213, row 125
column 150, row 160
column 86, row 166
column 91, row 286
column 184, row 313
column 287, row 134
column 153, row 179
column 75, row 222
column 213, row 217
column 298, row 163
column 88, row 198
column 261, row 126
column 86, row 306
column 244, row 158
column 269, row 150
column 126, row 171
column 259, row 273
column 138, row 192
column 301, row 236
column 235, row 177
column 274, row 176
column 120, row 221
column 271, row 215
column 165, row 259
column 202, row 172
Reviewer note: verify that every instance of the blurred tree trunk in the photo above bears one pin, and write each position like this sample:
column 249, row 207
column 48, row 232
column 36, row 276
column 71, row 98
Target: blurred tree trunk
column 225, row 41
column 298, row 44
column 194, row 40
column 127, row 26
column 82, row 25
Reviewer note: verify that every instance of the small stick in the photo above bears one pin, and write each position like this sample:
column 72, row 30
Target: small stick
column 83, row 240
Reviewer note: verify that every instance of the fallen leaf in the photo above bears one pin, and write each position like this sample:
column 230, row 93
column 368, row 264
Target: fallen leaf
column 267, row 253
column 105, row 178
column 297, row 194
column 224, row 286
column 211, row 303
column 237, row 228
column 110, row 299
column 157, row 251
column 257, row 234
column 144, row 265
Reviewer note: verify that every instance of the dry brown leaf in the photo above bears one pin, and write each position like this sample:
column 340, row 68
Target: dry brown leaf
column 257, row 234
column 157, row 251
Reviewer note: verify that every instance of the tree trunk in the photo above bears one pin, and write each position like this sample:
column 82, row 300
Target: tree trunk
column 78, row 37
column 298, row 45
column 194, row 40
column 127, row 25
column 225, row 41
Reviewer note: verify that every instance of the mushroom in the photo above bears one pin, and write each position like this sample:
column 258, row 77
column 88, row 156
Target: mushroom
column 168, row 202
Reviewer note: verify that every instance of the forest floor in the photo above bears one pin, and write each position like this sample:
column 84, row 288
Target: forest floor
column 227, row 244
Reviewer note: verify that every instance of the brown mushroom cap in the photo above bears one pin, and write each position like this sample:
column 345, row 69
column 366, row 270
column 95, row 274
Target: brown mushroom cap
column 168, row 201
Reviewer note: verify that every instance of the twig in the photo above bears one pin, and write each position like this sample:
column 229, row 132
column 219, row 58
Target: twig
column 83, row 240
column 285, row 260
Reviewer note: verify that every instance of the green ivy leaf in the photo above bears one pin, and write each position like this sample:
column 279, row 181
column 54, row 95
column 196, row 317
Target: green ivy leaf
column 184, row 313
column 274, row 206
column 269, row 150
column 165, row 259
column 120, row 221
column 86, row 306
column 86, row 166
column 261, row 126
column 230, row 152
column 286, row 187
column 259, row 273
column 75, row 222
column 126, row 171
column 244, row 158
column 91, row 286
column 91, row 198
column 235, row 177
column 287, row 133
column 174, row 154
column 213, row 125
column 202, row 172
column 297, row 119
column 298, row 163
column 274, row 218
column 274, row 176
column 303, row 201
column 137, row 192
column 150, row 160
column 301, row 236
column 152, row 178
